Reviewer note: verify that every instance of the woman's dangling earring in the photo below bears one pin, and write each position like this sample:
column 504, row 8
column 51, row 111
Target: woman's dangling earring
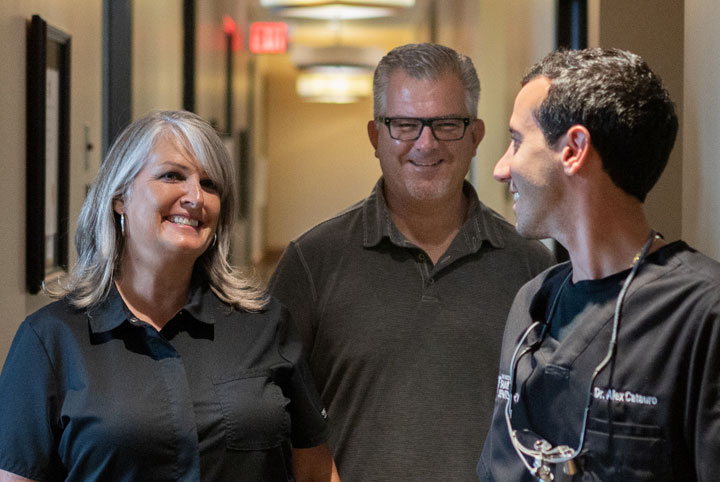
column 212, row 245
column 122, row 224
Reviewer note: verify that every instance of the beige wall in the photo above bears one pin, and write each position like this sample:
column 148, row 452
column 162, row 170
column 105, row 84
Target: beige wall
column 82, row 19
column 700, row 127
column 658, row 38
column 157, row 59
column 319, row 159
column 157, row 40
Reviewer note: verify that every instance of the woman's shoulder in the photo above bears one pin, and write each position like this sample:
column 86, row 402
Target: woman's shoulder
column 57, row 315
column 271, row 311
column 206, row 305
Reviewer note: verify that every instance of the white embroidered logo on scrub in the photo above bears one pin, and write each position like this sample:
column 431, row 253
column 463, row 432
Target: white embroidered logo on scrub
column 624, row 396
column 503, row 388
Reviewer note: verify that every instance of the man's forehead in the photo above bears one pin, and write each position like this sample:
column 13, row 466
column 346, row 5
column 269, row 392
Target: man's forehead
column 444, row 94
column 533, row 93
column 528, row 100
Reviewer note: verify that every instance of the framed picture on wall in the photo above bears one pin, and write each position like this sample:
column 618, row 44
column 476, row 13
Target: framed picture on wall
column 48, row 152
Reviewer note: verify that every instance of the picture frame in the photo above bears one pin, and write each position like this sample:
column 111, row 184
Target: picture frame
column 47, row 151
column 243, row 173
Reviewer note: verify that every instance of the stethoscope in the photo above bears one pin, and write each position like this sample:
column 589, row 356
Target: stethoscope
column 543, row 453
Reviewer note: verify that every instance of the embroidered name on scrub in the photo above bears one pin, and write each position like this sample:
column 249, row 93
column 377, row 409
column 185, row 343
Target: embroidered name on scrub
column 503, row 388
column 624, row 396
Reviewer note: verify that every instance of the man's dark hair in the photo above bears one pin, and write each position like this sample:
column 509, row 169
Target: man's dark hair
column 621, row 102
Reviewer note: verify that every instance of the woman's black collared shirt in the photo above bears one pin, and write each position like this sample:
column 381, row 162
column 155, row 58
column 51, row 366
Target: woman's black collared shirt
column 217, row 394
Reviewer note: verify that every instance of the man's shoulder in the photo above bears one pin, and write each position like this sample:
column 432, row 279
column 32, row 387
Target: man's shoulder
column 335, row 228
column 697, row 261
column 550, row 277
column 692, row 265
column 334, row 237
column 533, row 297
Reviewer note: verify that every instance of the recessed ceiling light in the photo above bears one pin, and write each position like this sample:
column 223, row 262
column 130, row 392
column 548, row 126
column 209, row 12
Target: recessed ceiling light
column 336, row 10
column 298, row 3
column 336, row 85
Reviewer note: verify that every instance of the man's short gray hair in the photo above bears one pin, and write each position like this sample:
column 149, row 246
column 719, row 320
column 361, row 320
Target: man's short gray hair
column 425, row 61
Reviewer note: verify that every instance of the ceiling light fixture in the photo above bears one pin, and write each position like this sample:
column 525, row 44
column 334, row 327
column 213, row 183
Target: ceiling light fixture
column 305, row 3
column 335, row 85
column 335, row 74
column 338, row 9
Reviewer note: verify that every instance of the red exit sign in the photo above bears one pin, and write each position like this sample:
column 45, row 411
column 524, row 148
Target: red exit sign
column 268, row 37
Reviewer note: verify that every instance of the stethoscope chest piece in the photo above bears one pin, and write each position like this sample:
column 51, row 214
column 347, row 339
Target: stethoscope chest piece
column 542, row 469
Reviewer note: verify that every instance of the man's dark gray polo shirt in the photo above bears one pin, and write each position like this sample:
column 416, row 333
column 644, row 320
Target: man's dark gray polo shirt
column 404, row 352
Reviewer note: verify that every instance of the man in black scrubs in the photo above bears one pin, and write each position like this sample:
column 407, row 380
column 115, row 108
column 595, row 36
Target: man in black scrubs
column 610, row 366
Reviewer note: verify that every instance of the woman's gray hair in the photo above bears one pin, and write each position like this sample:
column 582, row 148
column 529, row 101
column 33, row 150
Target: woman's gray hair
column 425, row 61
column 98, row 239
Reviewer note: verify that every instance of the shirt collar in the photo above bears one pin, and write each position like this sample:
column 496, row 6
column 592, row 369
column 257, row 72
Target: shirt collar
column 204, row 305
column 201, row 303
column 479, row 226
column 377, row 222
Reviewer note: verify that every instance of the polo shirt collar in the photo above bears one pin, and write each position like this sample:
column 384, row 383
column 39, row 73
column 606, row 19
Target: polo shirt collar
column 377, row 222
column 478, row 227
column 204, row 305
column 201, row 303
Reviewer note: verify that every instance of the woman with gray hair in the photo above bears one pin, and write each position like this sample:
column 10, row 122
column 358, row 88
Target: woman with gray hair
column 160, row 362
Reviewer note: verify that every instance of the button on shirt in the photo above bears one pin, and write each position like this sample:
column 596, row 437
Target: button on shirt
column 217, row 394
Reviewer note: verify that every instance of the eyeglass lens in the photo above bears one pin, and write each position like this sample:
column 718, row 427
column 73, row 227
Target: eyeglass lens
column 409, row 129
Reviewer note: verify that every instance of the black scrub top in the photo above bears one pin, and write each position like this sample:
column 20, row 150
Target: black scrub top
column 217, row 394
column 655, row 410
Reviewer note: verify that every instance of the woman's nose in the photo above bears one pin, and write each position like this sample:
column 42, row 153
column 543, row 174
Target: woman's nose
column 193, row 195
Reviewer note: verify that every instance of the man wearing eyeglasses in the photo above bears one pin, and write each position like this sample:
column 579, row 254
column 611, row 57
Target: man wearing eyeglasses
column 401, row 299
column 610, row 367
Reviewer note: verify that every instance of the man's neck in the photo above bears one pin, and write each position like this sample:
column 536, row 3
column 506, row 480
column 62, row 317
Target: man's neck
column 430, row 225
column 602, row 247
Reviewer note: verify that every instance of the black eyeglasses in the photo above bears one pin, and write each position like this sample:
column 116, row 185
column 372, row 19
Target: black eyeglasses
column 410, row 128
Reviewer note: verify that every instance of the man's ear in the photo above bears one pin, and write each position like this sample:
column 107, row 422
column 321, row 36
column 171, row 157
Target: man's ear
column 373, row 134
column 477, row 131
column 575, row 149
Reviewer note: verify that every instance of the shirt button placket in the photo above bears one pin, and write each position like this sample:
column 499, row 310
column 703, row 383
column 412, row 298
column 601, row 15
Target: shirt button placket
column 428, row 280
column 179, row 408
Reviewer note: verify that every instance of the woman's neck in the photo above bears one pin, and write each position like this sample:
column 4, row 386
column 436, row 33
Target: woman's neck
column 154, row 295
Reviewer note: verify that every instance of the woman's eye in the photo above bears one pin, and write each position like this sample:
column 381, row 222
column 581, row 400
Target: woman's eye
column 171, row 176
column 208, row 185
